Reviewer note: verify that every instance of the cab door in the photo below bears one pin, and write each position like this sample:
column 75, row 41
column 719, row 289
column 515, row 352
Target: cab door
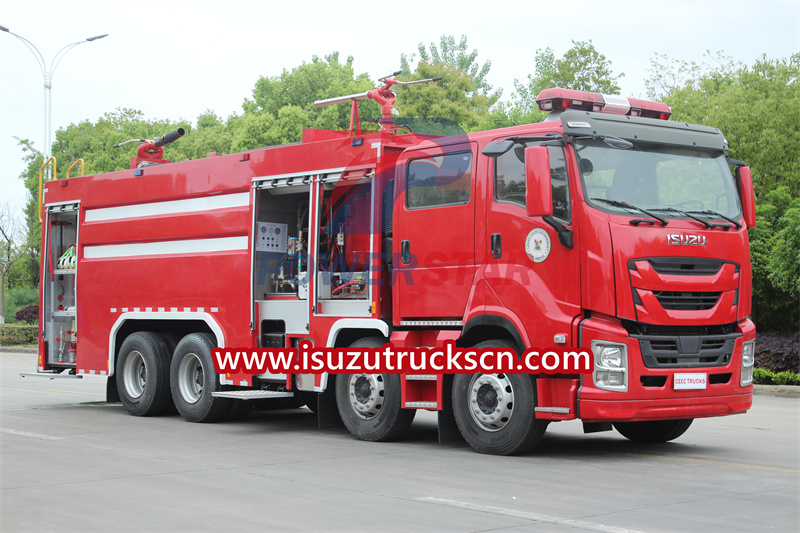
column 434, row 233
column 533, row 273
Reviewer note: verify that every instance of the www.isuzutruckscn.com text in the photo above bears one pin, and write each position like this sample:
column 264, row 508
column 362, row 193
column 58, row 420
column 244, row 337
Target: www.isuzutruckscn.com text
column 447, row 359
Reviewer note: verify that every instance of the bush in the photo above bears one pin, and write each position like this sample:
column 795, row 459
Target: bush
column 29, row 314
column 765, row 377
column 17, row 334
column 18, row 298
column 778, row 352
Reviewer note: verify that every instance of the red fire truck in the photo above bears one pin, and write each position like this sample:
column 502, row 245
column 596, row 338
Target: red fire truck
column 606, row 226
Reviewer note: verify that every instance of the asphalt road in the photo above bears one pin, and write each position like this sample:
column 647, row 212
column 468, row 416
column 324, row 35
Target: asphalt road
column 69, row 464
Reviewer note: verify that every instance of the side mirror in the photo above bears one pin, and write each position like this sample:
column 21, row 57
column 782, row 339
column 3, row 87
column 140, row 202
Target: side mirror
column 538, row 189
column 748, row 196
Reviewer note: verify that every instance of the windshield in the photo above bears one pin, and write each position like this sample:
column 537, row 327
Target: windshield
column 655, row 178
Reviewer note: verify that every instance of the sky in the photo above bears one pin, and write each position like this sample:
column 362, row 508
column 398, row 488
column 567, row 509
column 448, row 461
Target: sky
column 175, row 59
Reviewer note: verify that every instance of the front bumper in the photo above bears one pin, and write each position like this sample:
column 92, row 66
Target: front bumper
column 650, row 392
column 664, row 409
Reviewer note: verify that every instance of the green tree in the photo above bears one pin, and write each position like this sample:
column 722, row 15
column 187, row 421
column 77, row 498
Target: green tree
column 454, row 56
column 283, row 105
column 453, row 98
column 581, row 68
column 775, row 256
column 12, row 249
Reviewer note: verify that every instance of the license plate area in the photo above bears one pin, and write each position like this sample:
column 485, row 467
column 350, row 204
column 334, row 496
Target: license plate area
column 690, row 381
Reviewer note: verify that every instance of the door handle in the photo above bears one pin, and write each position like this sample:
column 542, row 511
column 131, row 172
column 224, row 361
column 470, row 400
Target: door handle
column 405, row 252
column 497, row 246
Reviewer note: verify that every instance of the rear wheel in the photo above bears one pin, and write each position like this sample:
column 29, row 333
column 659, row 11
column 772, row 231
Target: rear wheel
column 495, row 412
column 193, row 379
column 142, row 374
column 655, row 431
column 369, row 404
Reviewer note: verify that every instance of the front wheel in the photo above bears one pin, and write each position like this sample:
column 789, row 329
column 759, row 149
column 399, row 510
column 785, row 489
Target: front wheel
column 369, row 404
column 496, row 412
column 193, row 379
column 654, row 431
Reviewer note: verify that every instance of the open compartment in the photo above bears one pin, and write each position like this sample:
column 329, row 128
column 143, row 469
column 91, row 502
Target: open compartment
column 59, row 287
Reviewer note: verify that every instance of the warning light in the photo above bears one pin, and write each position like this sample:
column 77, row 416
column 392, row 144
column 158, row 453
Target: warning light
column 553, row 99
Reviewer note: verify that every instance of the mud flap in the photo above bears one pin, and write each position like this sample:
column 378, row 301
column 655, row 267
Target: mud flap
column 327, row 412
column 448, row 429
column 112, row 394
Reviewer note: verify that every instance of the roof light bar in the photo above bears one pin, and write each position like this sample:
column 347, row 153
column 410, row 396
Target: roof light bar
column 553, row 99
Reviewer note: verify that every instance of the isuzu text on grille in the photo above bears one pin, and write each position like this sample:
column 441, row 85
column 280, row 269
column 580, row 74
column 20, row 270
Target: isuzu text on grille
column 686, row 240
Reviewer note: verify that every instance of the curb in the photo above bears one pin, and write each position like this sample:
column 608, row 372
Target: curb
column 18, row 349
column 779, row 391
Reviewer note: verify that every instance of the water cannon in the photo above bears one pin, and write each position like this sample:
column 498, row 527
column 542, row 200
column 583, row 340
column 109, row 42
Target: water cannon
column 169, row 138
column 152, row 152
column 384, row 95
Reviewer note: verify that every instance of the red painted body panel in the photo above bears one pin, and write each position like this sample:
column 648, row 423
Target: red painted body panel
column 633, row 243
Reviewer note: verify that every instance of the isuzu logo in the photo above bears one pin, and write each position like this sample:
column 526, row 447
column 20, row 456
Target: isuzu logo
column 686, row 240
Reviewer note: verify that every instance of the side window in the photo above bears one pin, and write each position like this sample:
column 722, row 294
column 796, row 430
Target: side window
column 439, row 180
column 558, row 176
column 509, row 181
column 509, row 176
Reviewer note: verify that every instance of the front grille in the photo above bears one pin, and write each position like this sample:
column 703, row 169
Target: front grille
column 686, row 266
column 683, row 346
column 687, row 301
column 686, row 351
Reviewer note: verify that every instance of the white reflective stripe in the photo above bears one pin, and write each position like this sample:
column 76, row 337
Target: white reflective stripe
column 173, row 207
column 616, row 105
column 184, row 247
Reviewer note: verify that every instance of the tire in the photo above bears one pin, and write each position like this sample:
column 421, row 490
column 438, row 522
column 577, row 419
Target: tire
column 495, row 412
column 142, row 374
column 193, row 379
column 369, row 404
column 655, row 431
column 171, row 339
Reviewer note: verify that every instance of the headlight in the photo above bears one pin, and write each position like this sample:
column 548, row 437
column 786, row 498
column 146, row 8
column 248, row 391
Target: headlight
column 748, row 362
column 610, row 366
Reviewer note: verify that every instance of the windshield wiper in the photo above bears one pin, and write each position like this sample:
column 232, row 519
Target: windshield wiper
column 610, row 140
column 720, row 215
column 687, row 215
column 618, row 203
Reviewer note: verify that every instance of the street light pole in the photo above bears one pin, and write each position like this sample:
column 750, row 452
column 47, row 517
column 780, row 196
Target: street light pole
column 47, row 75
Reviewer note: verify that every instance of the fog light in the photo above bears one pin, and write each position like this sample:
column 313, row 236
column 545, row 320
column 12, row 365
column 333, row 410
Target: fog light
column 610, row 380
column 610, row 366
column 748, row 362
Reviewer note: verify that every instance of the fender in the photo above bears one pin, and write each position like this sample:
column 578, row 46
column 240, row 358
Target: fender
column 166, row 315
column 510, row 323
column 319, row 382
